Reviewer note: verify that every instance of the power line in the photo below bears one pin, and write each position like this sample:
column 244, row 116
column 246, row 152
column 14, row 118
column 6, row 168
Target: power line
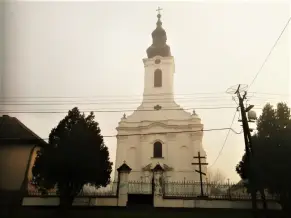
column 208, row 95
column 142, row 134
column 111, row 101
column 269, row 54
column 103, row 103
column 117, row 111
column 108, row 96
column 220, row 99
column 224, row 143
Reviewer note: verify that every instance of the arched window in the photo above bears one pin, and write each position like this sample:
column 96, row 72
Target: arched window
column 158, row 78
column 158, row 149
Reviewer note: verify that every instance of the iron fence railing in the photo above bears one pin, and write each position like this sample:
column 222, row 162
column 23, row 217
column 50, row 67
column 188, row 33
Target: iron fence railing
column 170, row 189
column 224, row 191
column 87, row 191
column 139, row 187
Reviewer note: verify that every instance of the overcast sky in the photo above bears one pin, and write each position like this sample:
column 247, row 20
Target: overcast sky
column 95, row 49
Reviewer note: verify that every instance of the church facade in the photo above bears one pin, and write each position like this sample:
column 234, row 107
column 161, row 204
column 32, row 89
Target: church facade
column 159, row 131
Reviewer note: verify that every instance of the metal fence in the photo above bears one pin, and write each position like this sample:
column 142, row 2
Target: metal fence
column 87, row 191
column 170, row 189
column 139, row 187
column 224, row 191
column 91, row 191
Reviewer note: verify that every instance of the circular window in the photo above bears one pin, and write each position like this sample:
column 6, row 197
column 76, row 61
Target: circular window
column 157, row 61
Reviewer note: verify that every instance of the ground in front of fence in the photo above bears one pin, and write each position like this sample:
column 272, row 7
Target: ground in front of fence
column 109, row 212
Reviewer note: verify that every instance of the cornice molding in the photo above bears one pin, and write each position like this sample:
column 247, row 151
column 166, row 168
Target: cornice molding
column 160, row 124
column 151, row 61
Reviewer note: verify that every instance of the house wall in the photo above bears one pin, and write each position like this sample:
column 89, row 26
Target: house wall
column 13, row 163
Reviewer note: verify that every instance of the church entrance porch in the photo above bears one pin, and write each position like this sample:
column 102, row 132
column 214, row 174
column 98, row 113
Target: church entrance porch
column 140, row 193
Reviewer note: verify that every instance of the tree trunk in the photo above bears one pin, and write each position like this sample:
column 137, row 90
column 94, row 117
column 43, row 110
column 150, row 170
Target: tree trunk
column 66, row 201
column 263, row 196
column 254, row 203
column 265, row 206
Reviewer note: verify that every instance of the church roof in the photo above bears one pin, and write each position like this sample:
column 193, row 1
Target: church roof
column 13, row 131
column 158, row 167
column 124, row 168
column 159, row 46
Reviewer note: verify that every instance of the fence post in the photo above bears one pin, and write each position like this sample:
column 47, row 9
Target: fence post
column 229, row 193
column 122, row 186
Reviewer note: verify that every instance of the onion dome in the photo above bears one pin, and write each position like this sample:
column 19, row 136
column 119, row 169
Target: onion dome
column 159, row 46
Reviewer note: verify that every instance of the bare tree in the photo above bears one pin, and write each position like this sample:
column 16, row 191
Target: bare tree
column 216, row 176
column 216, row 179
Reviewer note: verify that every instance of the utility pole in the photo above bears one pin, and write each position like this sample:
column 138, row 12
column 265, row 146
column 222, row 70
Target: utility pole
column 200, row 170
column 248, row 143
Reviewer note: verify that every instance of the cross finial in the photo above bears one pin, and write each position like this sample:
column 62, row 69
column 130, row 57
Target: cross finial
column 159, row 10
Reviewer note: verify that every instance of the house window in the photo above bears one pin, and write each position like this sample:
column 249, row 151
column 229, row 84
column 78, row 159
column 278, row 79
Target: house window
column 158, row 149
column 158, row 78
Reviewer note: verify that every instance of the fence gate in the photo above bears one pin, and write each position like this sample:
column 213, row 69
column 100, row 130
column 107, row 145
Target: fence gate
column 140, row 193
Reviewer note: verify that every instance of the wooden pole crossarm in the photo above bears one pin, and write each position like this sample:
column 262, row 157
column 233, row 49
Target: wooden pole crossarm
column 200, row 172
column 199, row 163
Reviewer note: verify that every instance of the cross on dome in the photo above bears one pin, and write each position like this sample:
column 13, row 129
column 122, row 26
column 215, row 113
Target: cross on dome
column 159, row 10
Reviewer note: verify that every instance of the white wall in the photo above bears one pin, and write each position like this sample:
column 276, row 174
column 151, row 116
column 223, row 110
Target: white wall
column 54, row 201
column 178, row 149
column 171, row 203
column 171, row 126
column 180, row 203
column 167, row 66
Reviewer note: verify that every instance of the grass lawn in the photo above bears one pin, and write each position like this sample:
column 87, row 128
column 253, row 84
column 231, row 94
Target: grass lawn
column 49, row 212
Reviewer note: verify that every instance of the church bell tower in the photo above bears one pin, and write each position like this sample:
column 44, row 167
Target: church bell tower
column 159, row 70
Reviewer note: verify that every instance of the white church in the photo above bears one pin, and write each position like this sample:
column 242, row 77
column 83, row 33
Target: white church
column 159, row 131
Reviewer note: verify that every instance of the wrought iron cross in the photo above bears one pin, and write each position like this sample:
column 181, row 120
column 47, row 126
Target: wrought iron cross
column 159, row 10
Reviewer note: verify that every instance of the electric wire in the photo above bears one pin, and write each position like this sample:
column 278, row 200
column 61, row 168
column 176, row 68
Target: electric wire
column 225, row 140
column 269, row 54
column 139, row 97
column 127, row 102
column 143, row 134
column 110, row 96
column 118, row 111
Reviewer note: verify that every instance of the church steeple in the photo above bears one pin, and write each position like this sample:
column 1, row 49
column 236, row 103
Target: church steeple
column 159, row 36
